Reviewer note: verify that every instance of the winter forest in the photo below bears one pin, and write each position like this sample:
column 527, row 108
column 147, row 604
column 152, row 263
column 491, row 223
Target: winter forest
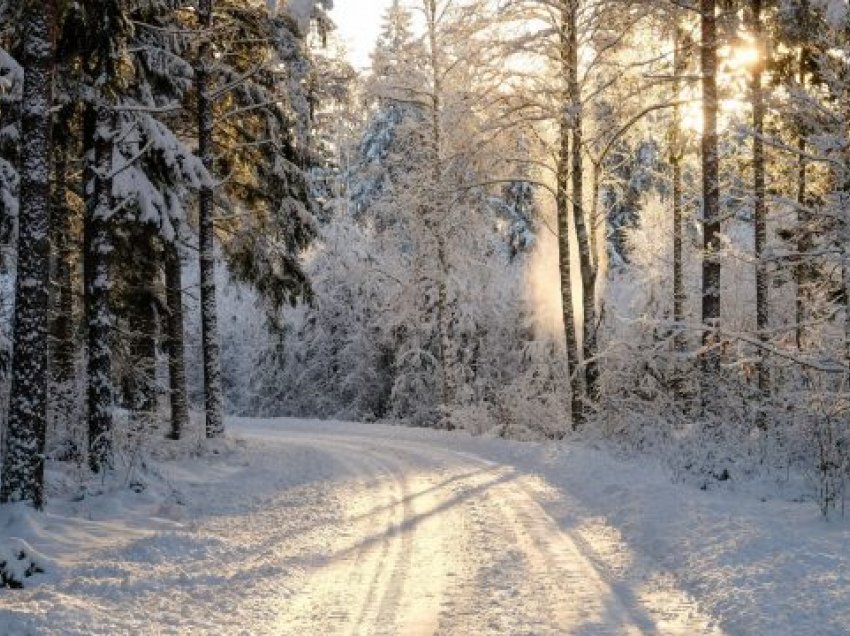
column 590, row 240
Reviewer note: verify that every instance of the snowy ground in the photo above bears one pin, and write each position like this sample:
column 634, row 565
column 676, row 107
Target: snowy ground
column 323, row 528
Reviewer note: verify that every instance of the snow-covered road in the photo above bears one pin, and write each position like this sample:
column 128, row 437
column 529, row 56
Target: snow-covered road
column 343, row 529
column 434, row 541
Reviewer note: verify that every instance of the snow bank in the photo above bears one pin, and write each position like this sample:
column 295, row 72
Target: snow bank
column 22, row 565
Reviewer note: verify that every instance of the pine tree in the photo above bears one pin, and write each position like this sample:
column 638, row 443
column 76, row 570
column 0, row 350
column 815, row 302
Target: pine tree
column 63, row 327
column 176, row 347
column 99, row 317
column 123, row 75
column 711, row 194
column 142, row 175
column 159, row 188
column 11, row 81
column 760, row 200
column 213, row 398
column 676, row 153
column 23, row 462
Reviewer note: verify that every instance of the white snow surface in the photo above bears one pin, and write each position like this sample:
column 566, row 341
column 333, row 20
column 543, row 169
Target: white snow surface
column 305, row 527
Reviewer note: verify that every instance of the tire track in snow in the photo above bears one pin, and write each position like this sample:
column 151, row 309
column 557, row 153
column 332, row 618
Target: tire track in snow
column 456, row 544
column 411, row 577
column 383, row 555
column 645, row 602
column 323, row 533
column 393, row 556
column 387, row 608
column 339, row 594
column 574, row 590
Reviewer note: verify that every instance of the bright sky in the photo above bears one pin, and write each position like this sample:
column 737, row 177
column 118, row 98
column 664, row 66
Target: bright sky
column 359, row 22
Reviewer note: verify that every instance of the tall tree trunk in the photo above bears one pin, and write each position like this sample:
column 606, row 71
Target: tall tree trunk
column 63, row 341
column 586, row 260
column 595, row 217
column 845, row 270
column 447, row 385
column 90, row 186
column 804, row 219
column 711, row 195
column 8, row 217
column 176, row 347
column 564, row 210
column 23, row 462
column 443, row 323
column 143, row 321
column 565, row 266
column 676, row 157
column 214, row 401
column 63, row 348
column 844, row 207
column 99, row 314
column 760, row 206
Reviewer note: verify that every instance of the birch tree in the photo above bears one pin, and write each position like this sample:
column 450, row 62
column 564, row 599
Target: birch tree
column 568, row 201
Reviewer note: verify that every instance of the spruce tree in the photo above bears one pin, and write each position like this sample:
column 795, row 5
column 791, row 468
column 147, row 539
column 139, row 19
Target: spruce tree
column 23, row 462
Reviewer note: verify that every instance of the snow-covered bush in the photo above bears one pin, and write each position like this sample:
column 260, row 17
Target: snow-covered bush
column 19, row 562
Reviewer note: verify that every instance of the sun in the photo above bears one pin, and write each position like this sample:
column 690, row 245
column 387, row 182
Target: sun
column 743, row 57
column 736, row 63
column 692, row 118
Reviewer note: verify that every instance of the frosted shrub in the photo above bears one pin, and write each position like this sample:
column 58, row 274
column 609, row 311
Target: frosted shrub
column 823, row 429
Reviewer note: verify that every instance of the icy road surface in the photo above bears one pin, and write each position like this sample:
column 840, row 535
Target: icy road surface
column 322, row 529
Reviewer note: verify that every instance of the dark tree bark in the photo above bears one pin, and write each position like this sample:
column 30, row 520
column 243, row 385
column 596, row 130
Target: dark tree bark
column 760, row 204
column 845, row 266
column 23, row 462
column 63, row 340
column 9, row 116
column 802, row 269
column 447, row 387
column 676, row 157
column 711, row 193
column 143, row 321
column 99, row 315
column 843, row 179
column 206, row 235
column 176, row 347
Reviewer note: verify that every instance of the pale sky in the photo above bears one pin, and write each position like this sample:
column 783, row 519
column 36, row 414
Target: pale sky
column 359, row 22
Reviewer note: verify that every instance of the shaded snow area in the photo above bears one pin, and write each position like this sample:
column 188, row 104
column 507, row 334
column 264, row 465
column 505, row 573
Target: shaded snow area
column 324, row 528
